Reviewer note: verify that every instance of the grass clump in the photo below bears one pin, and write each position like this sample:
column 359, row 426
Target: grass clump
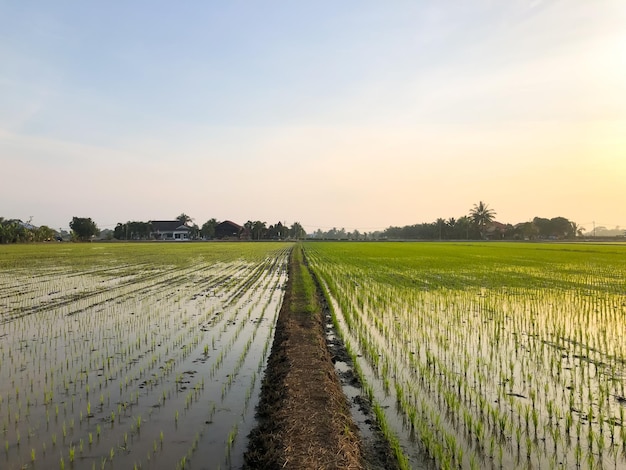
column 303, row 294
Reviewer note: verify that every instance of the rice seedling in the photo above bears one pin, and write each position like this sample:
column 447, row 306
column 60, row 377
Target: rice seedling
column 122, row 323
column 506, row 343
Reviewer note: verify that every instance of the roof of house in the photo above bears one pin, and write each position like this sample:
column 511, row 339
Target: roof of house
column 230, row 224
column 168, row 226
column 494, row 225
column 26, row 225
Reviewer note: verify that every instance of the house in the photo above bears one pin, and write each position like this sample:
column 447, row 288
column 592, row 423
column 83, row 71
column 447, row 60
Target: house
column 495, row 231
column 173, row 230
column 228, row 229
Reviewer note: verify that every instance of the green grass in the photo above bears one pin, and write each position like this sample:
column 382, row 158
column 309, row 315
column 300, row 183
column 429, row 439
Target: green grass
column 303, row 296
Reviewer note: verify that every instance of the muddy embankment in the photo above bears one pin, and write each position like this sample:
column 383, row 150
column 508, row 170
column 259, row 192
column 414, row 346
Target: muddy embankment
column 304, row 418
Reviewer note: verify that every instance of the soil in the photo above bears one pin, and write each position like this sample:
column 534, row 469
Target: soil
column 304, row 417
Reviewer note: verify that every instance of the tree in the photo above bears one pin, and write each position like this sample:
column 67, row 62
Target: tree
column 258, row 230
column 247, row 229
column 562, row 228
column 577, row 229
column 119, row 232
column 296, row 231
column 481, row 215
column 509, row 232
column 184, row 219
column 132, row 231
column 543, row 227
column 441, row 224
column 208, row 228
column 44, row 233
column 557, row 227
column 12, row 231
column 462, row 227
column 194, row 233
column 277, row 231
column 83, row 228
column 526, row 231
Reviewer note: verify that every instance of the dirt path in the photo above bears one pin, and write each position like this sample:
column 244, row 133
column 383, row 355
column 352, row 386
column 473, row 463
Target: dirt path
column 304, row 420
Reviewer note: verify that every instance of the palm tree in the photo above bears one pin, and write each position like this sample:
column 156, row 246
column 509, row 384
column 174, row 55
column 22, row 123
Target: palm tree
column 577, row 230
column 208, row 228
column 440, row 223
column 184, row 218
column 296, row 231
column 258, row 230
column 481, row 215
column 462, row 226
column 451, row 224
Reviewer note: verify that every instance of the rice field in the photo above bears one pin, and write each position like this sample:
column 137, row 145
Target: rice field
column 487, row 355
column 134, row 356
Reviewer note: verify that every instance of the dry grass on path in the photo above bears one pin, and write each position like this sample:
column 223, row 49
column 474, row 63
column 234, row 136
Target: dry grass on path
column 305, row 422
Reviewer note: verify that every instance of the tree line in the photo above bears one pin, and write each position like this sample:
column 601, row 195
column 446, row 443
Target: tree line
column 85, row 229
column 251, row 230
column 478, row 224
column 16, row 231
column 258, row 230
column 463, row 228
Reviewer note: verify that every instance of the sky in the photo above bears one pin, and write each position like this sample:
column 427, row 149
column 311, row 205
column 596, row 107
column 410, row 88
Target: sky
column 355, row 114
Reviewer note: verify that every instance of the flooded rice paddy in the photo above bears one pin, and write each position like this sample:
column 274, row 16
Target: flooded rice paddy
column 134, row 356
column 152, row 355
column 487, row 355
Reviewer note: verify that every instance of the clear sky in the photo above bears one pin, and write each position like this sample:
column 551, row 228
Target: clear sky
column 354, row 114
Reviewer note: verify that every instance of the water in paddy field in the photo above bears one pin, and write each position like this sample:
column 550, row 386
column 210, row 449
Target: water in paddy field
column 505, row 378
column 360, row 406
column 121, row 368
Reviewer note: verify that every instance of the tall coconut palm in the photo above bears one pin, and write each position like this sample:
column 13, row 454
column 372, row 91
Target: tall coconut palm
column 481, row 215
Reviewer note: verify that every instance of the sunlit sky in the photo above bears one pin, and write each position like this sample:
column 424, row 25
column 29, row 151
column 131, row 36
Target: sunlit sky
column 354, row 114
